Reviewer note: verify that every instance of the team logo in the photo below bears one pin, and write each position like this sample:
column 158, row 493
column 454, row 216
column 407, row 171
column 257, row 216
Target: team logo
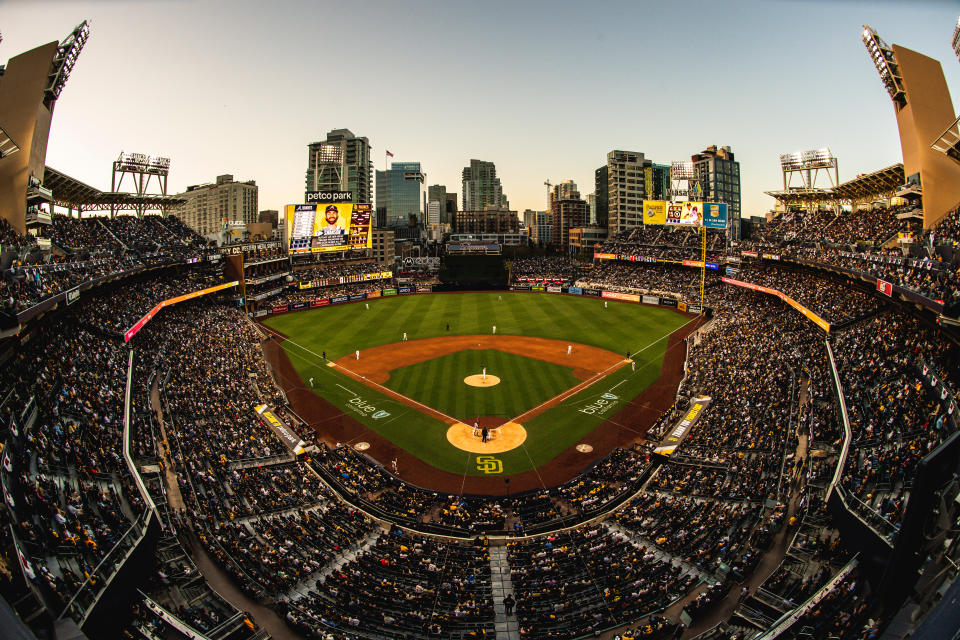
column 601, row 405
column 380, row 414
column 609, row 396
column 489, row 465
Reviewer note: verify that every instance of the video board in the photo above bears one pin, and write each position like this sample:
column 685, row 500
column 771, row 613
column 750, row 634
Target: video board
column 328, row 226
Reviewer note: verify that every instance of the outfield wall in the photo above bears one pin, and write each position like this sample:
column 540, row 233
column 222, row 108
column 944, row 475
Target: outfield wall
column 672, row 303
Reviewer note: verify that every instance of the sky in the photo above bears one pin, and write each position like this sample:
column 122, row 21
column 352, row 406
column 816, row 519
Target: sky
column 542, row 89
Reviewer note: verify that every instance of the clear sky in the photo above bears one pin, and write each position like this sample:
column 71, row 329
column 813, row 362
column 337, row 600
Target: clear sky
column 543, row 89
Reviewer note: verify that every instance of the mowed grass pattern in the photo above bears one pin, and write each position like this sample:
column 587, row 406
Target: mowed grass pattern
column 524, row 383
column 339, row 330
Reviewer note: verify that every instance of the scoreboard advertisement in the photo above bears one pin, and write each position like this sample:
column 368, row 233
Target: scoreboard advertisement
column 712, row 215
column 328, row 226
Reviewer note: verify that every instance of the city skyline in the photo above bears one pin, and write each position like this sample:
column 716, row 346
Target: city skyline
column 241, row 99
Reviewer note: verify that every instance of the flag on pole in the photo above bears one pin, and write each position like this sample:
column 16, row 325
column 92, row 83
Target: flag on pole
column 389, row 154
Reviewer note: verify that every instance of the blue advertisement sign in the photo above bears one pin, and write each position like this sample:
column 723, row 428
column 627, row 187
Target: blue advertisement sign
column 715, row 215
column 338, row 299
column 575, row 290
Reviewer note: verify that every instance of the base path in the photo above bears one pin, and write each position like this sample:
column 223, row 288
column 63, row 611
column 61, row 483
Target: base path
column 375, row 364
column 627, row 426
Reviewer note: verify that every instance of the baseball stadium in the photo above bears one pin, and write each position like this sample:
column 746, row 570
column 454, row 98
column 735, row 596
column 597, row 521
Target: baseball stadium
column 701, row 426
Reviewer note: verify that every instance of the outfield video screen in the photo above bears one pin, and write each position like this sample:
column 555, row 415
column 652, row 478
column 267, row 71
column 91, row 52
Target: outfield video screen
column 712, row 215
column 328, row 226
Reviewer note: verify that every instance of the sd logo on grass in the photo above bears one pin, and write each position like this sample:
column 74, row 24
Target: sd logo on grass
column 489, row 464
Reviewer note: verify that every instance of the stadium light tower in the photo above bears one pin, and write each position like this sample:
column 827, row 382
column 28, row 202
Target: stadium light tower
column 141, row 168
column 681, row 174
column 886, row 64
column 956, row 39
column 67, row 53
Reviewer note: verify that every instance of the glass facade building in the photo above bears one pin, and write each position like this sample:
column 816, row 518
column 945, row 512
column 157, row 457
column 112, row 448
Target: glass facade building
column 398, row 194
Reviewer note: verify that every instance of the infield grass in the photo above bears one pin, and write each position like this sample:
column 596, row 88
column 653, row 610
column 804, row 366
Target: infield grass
column 339, row 330
column 524, row 383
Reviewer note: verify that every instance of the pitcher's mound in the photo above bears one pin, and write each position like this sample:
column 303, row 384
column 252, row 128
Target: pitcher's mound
column 478, row 381
column 503, row 438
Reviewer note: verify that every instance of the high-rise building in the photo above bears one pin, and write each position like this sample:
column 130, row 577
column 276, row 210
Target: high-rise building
column 656, row 181
column 398, row 194
column 340, row 163
column 568, row 211
column 433, row 212
column 209, row 206
column 481, row 187
column 600, row 190
column 486, row 221
column 625, row 190
column 450, row 210
column 592, row 208
column 436, row 193
column 269, row 215
column 538, row 226
column 718, row 176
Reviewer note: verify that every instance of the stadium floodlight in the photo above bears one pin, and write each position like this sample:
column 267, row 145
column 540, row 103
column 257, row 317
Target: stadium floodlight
column 329, row 154
column 813, row 159
column 886, row 64
column 680, row 170
column 956, row 40
column 67, row 53
column 158, row 165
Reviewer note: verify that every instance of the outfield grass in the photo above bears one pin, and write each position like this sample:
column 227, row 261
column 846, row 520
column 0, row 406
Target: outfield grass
column 339, row 330
column 524, row 383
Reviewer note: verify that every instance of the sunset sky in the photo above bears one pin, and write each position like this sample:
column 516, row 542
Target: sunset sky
column 543, row 89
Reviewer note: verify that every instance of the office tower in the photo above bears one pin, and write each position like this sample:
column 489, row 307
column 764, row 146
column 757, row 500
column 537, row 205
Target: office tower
column 340, row 163
column 481, row 187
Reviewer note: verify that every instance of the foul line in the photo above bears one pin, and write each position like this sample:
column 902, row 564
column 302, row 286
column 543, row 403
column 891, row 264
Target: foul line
column 597, row 377
column 430, row 411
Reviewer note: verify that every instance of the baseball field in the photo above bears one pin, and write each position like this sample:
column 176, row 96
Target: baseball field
column 556, row 367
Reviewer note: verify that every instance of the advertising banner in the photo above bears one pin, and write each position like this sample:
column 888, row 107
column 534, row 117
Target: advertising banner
column 650, row 300
column 749, row 254
column 389, row 292
column 771, row 256
column 554, row 289
column 616, row 295
column 338, row 299
column 669, row 444
column 712, row 265
column 810, row 315
column 406, row 290
column 424, row 289
column 289, row 438
column 320, row 303
column 299, row 305
column 280, row 308
column 668, row 302
column 358, row 296
column 885, row 288
column 73, row 295
column 538, row 287
column 654, row 212
column 327, row 226
column 520, row 287
column 604, row 256
column 692, row 263
column 715, row 215
column 693, row 308
column 592, row 292
column 575, row 290
column 132, row 331
column 685, row 212
column 373, row 294
column 682, row 306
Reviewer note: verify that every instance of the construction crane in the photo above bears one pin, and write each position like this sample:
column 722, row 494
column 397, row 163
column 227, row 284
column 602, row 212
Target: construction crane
column 547, row 183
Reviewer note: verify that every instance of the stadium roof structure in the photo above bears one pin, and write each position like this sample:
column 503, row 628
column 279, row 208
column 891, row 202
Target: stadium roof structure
column 73, row 194
column 879, row 184
column 949, row 140
column 882, row 183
